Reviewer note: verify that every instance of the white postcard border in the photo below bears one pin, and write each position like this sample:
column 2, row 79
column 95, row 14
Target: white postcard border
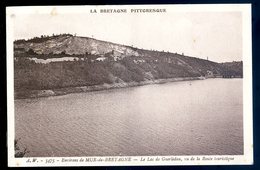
column 247, row 158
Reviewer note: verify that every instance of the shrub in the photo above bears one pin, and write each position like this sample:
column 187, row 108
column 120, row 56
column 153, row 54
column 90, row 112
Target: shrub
column 18, row 152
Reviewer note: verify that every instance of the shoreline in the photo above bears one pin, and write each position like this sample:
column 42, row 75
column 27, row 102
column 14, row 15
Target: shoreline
column 83, row 89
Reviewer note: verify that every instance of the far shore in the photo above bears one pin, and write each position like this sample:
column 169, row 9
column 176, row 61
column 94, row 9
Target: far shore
column 82, row 89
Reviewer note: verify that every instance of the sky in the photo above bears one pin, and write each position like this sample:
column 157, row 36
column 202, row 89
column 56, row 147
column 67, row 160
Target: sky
column 216, row 35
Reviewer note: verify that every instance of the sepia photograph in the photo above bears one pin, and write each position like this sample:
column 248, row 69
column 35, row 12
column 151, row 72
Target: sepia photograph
column 129, row 85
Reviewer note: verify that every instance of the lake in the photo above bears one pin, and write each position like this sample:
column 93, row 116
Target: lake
column 201, row 117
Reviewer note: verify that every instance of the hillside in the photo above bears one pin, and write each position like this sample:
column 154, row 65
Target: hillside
column 62, row 61
column 73, row 45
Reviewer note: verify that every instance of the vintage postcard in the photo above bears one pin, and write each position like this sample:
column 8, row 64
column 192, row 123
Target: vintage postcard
column 129, row 85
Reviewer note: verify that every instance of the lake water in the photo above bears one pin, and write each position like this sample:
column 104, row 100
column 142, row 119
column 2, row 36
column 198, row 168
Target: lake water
column 202, row 117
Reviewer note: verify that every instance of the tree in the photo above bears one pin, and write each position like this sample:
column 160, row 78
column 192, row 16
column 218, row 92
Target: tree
column 63, row 52
column 31, row 52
